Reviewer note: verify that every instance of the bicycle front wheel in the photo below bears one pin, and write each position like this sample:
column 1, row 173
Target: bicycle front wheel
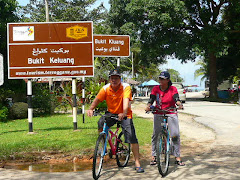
column 98, row 156
column 123, row 151
column 163, row 153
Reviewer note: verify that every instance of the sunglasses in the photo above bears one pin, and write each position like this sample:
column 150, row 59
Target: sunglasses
column 162, row 79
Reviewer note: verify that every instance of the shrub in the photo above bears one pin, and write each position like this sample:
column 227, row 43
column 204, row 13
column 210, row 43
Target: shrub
column 19, row 110
column 102, row 106
column 3, row 113
column 92, row 89
column 43, row 101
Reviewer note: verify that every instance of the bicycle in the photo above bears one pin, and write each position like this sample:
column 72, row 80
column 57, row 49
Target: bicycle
column 164, row 143
column 120, row 149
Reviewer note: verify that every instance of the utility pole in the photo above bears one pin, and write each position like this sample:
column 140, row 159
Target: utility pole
column 132, row 67
column 47, row 11
column 118, row 63
column 47, row 20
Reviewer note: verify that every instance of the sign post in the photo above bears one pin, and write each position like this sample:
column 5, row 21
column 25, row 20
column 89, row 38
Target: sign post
column 50, row 50
column 30, row 107
column 1, row 70
column 74, row 93
column 83, row 98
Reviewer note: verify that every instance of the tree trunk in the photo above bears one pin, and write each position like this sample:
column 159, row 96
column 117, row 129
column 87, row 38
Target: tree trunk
column 213, row 75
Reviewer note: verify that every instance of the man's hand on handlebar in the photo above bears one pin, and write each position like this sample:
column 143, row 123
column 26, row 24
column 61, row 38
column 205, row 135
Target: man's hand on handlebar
column 180, row 107
column 121, row 116
column 90, row 113
column 147, row 109
column 179, row 104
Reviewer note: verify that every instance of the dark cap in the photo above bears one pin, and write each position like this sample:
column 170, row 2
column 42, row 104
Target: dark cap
column 164, row 75
column 115, row 72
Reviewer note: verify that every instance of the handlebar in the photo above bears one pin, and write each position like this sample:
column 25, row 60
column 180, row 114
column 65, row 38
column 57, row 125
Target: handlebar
column 112, row 116
column 155, row 109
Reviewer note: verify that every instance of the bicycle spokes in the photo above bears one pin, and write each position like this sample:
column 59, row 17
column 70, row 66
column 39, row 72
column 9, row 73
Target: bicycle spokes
column 98, row 157
column 123, row 152
column 163, row 154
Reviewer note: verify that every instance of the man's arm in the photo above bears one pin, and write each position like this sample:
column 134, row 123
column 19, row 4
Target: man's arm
column 94, row 104
column 126, row 105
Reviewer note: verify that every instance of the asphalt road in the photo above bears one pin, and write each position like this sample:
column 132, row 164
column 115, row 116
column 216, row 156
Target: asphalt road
column 220, row 160
column 223, row 118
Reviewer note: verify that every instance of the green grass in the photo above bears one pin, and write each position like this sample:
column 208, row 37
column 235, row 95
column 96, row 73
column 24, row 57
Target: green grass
column 56, row 134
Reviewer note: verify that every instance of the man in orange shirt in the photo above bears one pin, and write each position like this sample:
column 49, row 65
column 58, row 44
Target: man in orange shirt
column 118, row 96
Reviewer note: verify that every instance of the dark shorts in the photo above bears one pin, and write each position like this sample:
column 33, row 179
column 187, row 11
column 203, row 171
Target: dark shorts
column 127, row 128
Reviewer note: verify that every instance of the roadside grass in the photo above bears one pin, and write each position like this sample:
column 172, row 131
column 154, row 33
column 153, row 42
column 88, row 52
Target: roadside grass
column 55, row 134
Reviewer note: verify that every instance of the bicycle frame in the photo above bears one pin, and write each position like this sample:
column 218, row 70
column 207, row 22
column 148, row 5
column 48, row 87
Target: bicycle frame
column 106, row 131
column 165, row 130
column 165, row 126
column 118, row 148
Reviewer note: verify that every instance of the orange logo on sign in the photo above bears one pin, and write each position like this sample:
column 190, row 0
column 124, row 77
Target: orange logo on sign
column 76, row 32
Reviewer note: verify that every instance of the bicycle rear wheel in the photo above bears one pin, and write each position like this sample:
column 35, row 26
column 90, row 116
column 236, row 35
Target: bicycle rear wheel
column 163, row 154
column 98, row 156
column 123, row 151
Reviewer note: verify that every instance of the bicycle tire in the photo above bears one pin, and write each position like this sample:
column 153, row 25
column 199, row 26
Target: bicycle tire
column 98, row 157
column 163, row 154
column 123, row 152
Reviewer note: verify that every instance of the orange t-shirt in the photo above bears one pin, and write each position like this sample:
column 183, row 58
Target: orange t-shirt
column 114, row 99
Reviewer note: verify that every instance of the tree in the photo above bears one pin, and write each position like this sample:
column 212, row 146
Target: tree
column 202, row 71
column 7, row 15
column 175, row 75
column 102, row 67
column 63, row 10
column 176, row 27
column 228, row 65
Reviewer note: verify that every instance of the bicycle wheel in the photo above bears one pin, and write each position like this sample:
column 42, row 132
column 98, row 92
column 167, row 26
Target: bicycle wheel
column 123, row 151
column 163, row 154
column 98, row 156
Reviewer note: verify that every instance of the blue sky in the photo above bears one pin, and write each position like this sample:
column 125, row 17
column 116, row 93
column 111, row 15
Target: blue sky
column 186, row 70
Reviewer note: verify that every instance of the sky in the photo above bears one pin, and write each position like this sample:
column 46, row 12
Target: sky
column 186, row 70
column 98, row 2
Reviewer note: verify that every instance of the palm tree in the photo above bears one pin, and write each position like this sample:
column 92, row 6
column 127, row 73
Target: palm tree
column 102, row 66
column 203, row 70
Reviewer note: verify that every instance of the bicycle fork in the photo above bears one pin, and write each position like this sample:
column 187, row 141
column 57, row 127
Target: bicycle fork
column 105, row 131
column 167, row 133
